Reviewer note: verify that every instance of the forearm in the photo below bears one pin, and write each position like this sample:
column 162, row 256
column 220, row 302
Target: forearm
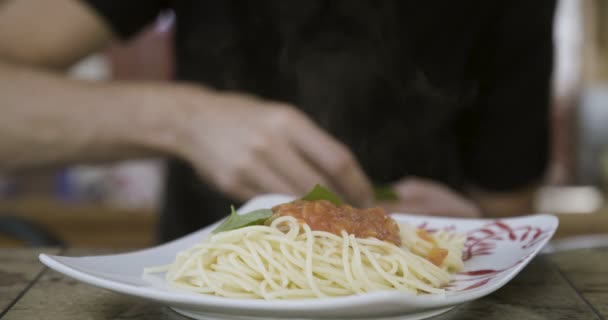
column 241, row 144
column 49, row 119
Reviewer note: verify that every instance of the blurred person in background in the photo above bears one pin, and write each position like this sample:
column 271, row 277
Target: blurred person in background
column 446, row 101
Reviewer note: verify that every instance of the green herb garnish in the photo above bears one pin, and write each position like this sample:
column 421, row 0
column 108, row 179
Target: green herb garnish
column 237, row 221
column 258, row 217
column 385, row 193
column 321, row 193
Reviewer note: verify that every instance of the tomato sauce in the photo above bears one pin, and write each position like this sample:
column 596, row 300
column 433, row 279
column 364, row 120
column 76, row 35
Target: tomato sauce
column 322, row 215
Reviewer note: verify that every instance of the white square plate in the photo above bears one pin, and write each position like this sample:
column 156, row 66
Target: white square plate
column 495, row 251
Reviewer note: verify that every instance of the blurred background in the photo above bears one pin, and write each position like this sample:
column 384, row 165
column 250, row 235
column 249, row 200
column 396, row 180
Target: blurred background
column 76, row 206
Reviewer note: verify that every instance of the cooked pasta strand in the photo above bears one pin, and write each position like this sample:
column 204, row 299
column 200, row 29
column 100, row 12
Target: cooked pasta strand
column 288, row 260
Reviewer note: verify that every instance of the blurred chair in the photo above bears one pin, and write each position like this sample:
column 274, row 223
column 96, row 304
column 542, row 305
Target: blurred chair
column 26, row 232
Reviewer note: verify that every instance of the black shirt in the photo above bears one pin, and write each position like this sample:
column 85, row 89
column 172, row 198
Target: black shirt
column 455, row 91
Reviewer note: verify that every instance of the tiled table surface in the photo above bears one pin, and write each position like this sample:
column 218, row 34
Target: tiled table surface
column 565, row 285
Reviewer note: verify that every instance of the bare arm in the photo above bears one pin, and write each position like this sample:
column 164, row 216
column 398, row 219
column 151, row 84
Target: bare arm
column 48, row 118
column 49, row 34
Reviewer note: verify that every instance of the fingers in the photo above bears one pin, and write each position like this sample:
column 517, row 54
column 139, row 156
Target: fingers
column 265, row 179
column 296, row 171
column 404, row 207
column 260, row 180
column 278, row 149
column 431, row 209
column 243, row 192
column 334, row 161
column 414, row 189
column 421, row 196
column 247, row 175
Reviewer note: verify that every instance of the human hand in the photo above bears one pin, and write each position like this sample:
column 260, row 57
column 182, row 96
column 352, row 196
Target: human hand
column 422, row 196
column 246, row 146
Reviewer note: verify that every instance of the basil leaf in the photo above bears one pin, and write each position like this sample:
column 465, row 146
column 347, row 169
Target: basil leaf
column 237, row 221
column 385, row 193
column 321, row 193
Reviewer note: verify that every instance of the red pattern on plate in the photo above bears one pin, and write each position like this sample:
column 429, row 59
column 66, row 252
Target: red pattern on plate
column 483, row 241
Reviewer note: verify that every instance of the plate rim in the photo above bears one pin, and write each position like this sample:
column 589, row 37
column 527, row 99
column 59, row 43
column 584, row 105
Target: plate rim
column 174, row 298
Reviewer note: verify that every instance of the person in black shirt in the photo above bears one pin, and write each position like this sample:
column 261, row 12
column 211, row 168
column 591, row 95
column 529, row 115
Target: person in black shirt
column 446, row 101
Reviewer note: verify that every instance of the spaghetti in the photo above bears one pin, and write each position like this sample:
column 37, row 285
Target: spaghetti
column 288, row 260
